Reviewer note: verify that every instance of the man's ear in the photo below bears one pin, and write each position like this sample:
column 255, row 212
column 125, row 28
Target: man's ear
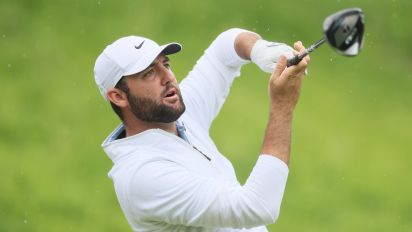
column 118, row 97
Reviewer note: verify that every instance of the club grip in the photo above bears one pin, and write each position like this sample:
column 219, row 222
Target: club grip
column 294, row 61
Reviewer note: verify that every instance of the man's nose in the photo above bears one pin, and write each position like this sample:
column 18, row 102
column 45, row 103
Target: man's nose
column 166, row 75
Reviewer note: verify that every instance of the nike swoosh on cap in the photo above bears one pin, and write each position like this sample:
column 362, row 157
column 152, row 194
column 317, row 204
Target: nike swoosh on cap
column 140, row 45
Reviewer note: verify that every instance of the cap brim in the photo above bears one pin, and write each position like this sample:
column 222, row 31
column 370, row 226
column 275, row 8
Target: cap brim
column 167, row 49
column 171, row 48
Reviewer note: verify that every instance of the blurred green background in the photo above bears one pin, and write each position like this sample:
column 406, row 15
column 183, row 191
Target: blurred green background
column 351, row 163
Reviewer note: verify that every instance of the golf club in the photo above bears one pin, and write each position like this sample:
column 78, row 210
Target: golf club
column 343, row 31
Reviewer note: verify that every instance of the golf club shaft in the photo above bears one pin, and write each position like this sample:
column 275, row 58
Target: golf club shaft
column 295, row 60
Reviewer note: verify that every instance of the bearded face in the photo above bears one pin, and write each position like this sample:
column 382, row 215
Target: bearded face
column 166, row 110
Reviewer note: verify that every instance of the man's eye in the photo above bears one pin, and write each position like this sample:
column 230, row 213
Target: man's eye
column 149, row 73
column 167, row 65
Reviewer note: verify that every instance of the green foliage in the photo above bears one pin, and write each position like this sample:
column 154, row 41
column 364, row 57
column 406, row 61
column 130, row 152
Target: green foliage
column 351, row 153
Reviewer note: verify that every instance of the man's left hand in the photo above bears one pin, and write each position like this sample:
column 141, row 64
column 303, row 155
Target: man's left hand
column 265, row 54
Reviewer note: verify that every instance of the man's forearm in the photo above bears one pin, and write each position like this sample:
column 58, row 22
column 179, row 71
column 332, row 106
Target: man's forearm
column 278, row 131
column 277, row 138
column 244, row 43
column 284, row 91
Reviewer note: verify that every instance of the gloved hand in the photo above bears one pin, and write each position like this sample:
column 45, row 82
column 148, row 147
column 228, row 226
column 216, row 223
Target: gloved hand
column 265, row 54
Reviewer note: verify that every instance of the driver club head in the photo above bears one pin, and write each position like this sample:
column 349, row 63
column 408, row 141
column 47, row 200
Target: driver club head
column 344, row 31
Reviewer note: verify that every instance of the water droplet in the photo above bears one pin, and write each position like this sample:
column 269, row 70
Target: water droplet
column 343, row 178
column 4, row 36
column 25, row 221
column 99, row 3
column 331, row 59
column 8, row 65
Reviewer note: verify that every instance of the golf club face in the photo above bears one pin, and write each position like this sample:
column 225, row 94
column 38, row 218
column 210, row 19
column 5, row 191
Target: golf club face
column 344, row 31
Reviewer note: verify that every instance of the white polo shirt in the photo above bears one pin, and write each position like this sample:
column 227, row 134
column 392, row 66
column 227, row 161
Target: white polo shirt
column 164, row 183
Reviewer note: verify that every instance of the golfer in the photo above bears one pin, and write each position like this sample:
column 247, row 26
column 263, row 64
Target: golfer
column 168, row 174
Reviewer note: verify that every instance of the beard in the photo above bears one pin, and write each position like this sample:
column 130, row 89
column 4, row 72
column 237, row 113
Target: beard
column 148, row 110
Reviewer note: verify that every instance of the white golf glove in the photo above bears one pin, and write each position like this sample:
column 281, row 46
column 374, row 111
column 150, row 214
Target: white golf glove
column 265, row 54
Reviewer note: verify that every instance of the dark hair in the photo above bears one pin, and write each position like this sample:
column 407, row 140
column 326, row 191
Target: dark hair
column 121, row 85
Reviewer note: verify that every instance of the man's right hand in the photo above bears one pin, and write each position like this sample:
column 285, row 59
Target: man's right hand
column 285, row 82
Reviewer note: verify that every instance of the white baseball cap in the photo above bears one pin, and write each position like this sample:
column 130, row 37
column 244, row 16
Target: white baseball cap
column 127, row 56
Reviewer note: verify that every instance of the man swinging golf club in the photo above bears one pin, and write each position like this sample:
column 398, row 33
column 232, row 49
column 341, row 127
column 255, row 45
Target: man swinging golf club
column 168, row 174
